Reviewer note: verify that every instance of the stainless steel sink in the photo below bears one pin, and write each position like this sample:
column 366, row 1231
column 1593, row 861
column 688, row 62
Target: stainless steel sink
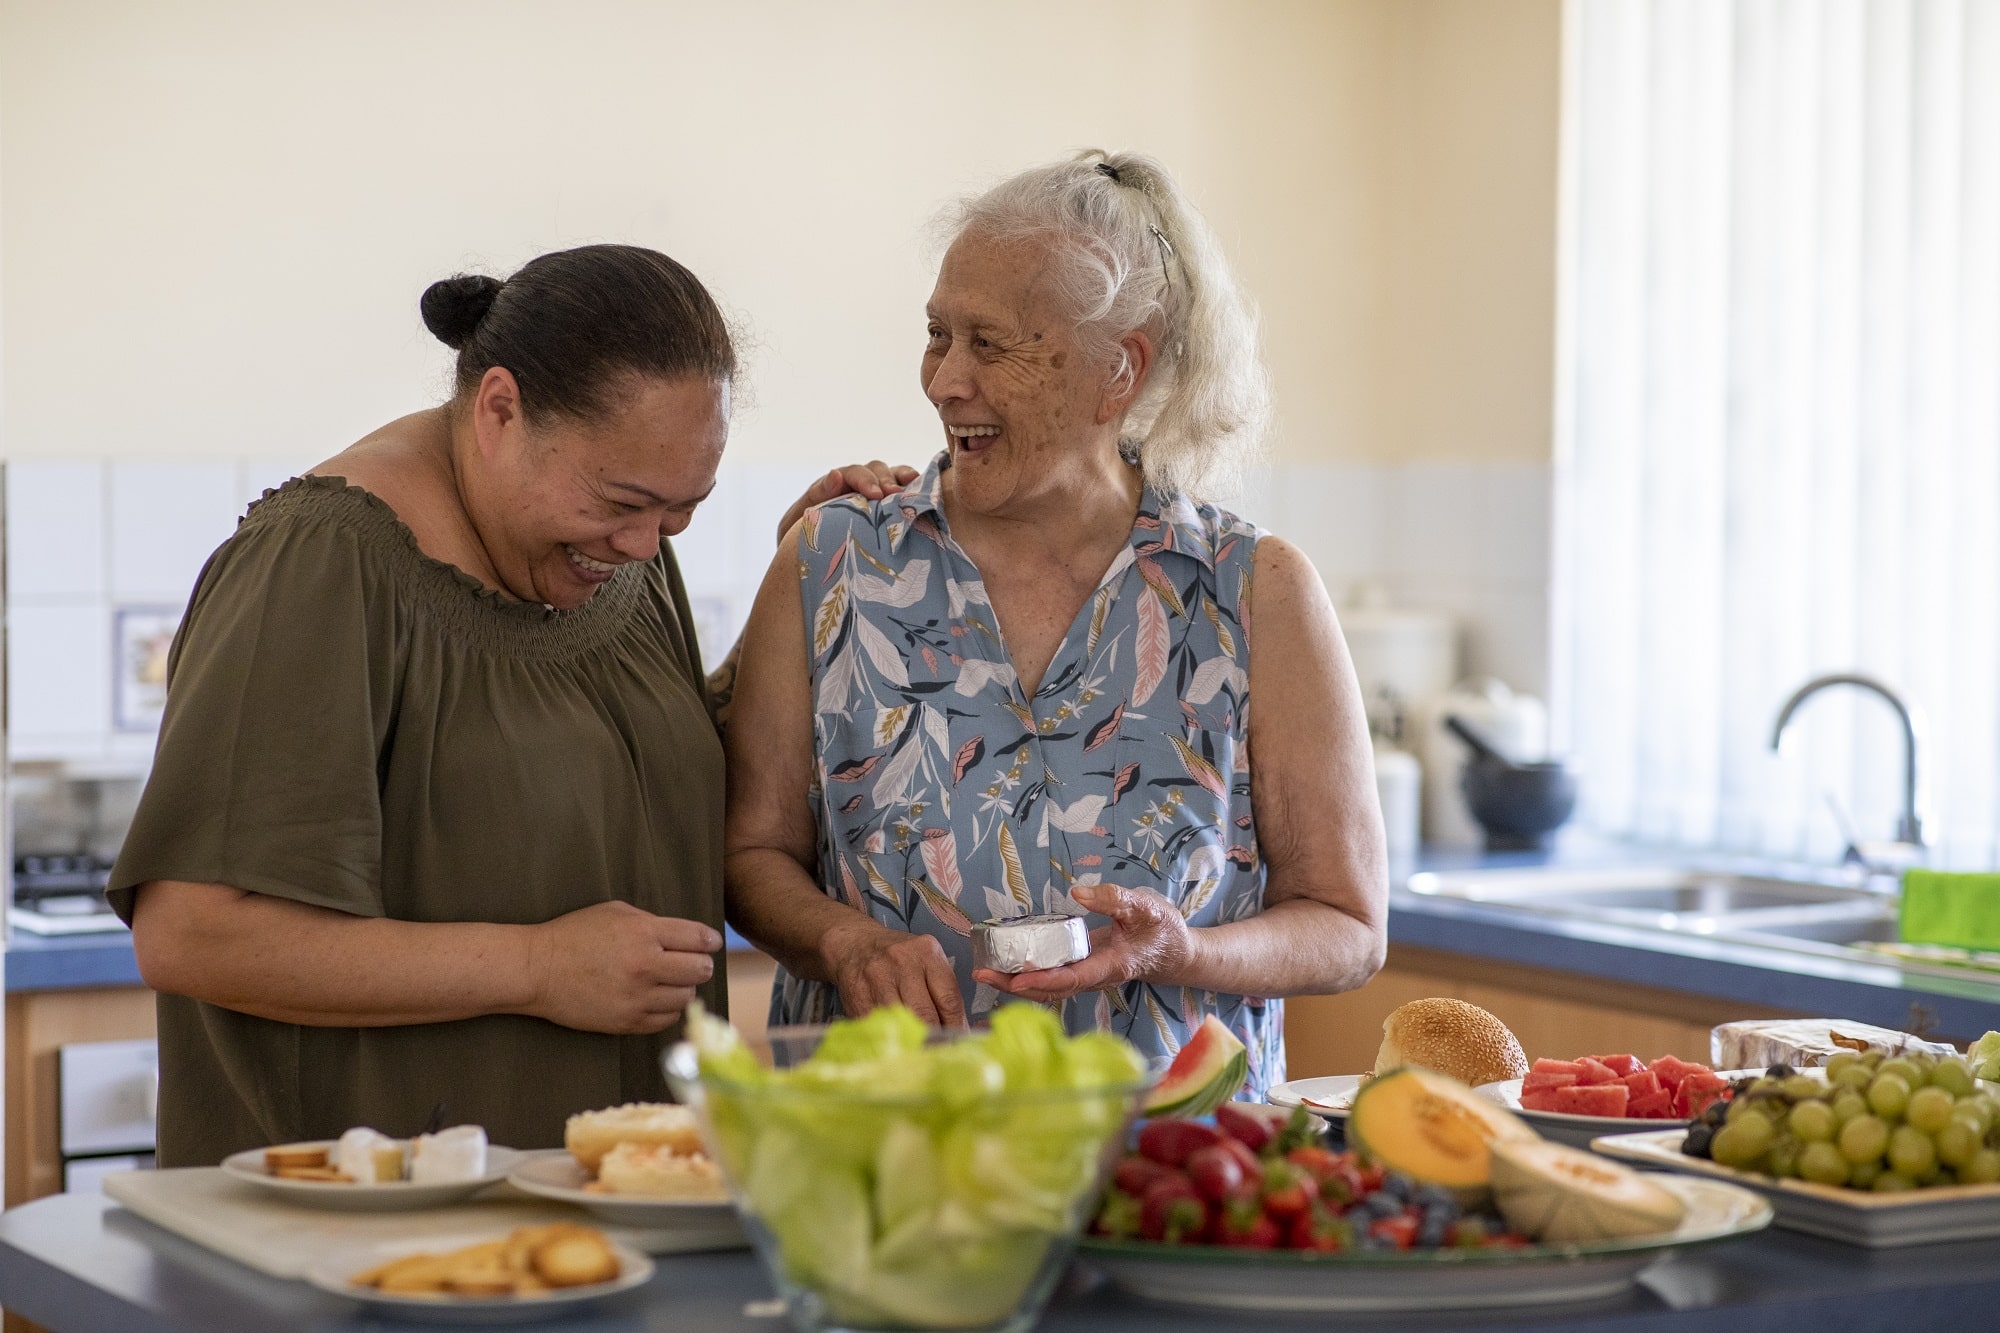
column 1698, row 899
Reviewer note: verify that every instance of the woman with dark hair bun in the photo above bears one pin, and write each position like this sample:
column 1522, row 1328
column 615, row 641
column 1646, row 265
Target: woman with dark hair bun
column 435, row 822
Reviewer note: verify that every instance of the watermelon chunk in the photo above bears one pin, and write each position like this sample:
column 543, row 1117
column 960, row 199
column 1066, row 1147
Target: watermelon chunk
column 1547, row 1078
column 1595, row 1072
column 1545, row 1065
column 1672, row 1071
column 1539, row 1099
column 1622, row 1065
column 1697, row 1091
column 1643, row 1084
column 1207, row 1072
column 1606, row 1100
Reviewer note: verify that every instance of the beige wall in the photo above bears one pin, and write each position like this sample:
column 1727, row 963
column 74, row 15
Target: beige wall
column 217, row 214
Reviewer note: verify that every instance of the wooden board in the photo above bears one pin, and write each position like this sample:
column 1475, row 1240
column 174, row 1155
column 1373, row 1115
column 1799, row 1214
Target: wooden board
column 273, row 1236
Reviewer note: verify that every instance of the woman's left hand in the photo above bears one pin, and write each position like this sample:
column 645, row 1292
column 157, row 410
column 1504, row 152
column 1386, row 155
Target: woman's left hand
column 1146, row 940
column 872, row 479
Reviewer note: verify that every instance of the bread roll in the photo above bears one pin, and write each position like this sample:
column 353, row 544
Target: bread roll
column 656, row 1171
column 592, row 1134
column 1453, row 1038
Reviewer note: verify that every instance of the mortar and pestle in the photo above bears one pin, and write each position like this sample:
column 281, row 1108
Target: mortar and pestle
column 1519, row 805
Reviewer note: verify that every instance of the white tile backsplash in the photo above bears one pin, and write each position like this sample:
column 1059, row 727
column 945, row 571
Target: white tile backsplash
column 1468, row 540
column 165, row 520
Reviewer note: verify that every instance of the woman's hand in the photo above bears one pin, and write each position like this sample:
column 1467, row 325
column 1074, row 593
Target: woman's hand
column 874, row 965
column 612, row 967
column 872, row 479
column 1146, row 940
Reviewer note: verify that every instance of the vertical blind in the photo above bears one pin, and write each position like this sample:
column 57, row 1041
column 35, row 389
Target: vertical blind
column 1778, row 417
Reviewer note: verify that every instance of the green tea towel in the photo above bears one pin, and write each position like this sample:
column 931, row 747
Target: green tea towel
column 1962, row 910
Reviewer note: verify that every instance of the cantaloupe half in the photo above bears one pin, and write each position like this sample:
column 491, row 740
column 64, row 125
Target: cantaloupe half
column 1205, row 1073
column 1560, row 1195
column 1432, row 1129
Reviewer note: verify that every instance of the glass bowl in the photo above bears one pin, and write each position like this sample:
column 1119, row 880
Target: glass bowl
column 955, row 1207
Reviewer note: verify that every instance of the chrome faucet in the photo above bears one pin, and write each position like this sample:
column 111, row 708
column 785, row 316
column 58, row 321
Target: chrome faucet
column 1909, row 826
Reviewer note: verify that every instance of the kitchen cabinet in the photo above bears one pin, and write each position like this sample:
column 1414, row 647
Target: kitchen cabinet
column 1556, row 1014
column 39, row 1023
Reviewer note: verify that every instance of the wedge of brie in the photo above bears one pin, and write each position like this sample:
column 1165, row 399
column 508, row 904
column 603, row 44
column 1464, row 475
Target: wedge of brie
column 458, row 1153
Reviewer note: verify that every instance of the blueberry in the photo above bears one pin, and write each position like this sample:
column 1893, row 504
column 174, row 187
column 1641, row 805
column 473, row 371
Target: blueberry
column 1437, row 1199
column 1431, row 1234
column 1398, row 1186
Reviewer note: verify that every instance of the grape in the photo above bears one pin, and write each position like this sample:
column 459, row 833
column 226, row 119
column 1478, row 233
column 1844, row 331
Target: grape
column 1928, row 1110
column 1862, row 1175
column 1765, row 1085
column 1743, row 1107
column 1983, row 1169
column 1891, row 1183
column 1732, row 1145
column 1822, row 1164
column 1801, row 1087
column 1976, row 1111
column 1911, row 1153
column 1889, row 1094
column 1841, row 1060
column 1953, row 1076
column 1813, row 1122
column 1904, row 1068
column 1864, row 1139
column 1780, row 1071
column 1783, row 1158
column 1847, row 1104
column 1855, row 1076
column 1957, row 1142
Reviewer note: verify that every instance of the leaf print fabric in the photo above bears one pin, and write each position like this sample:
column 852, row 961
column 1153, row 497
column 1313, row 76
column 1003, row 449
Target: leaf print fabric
column 944, row 795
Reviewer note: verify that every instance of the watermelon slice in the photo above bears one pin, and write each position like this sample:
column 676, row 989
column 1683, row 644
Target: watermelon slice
column 1643, row 1084
column 1672, row 1071
column 1621, row 1065
column 1653, row 1106
column 1595, row 1072
column 1547, row 1078
column 1697, row 1091
column 1539, row 1099
column 1606, row 1100
column 1209, row 1070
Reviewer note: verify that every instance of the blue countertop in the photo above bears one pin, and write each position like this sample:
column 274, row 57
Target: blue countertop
column 1960, row 1008
column 79, row 1263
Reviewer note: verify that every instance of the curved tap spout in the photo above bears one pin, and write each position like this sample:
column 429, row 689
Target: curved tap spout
column 1909, row 827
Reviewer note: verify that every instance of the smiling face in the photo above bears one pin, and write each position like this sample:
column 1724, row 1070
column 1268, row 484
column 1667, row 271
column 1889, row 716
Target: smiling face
column 1023, row 408
column 559, row 507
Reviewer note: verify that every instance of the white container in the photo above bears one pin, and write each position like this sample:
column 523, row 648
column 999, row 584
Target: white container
column 1399, row 782
column 1400, row 657
column 1517, row 725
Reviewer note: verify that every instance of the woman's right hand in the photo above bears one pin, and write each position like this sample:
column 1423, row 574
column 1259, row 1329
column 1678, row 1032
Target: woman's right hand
column 874, row 965
column 612, row 967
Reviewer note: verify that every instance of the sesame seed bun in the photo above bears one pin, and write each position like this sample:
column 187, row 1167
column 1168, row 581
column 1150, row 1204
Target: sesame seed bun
column 1453, row 1038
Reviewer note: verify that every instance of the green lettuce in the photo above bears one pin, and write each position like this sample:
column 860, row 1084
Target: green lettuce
column 911, row 1182
column 1984, row 1057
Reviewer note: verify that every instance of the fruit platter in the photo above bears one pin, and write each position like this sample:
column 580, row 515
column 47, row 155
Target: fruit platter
column 1444, row 1200
column 1882, row 1149
column 1577, row 1101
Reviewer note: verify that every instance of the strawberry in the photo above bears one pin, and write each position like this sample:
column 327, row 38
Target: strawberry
column 1136, row 1173
column 1401, row 1229
column 1118, row 1216
column 1218, row 1177
column 1289, row 1191
column 1171, row 1142
column 1320, row 1230
column 1172, row 1212
column 1242, row 1223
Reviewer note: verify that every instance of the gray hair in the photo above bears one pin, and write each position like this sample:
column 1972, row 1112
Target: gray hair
column 1131, row 253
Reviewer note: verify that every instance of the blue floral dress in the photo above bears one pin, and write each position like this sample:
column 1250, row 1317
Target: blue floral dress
column 944, row 795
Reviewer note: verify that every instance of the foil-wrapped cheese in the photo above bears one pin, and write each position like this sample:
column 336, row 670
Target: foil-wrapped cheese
column 458, row 1153
column 1804, row 1043
column 1029, row 943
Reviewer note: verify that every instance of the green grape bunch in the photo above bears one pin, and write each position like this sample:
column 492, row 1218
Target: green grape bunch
column 1879, row 1120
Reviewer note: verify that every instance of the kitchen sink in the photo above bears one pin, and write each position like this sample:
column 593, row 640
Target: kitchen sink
column 1680, row 898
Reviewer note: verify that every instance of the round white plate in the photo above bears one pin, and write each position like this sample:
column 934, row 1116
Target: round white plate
column 1225, row 1277
column 555, row 1174
column 1327, row 1097
column 331, row 1274
column 1579, row 1130
column 249, row 1168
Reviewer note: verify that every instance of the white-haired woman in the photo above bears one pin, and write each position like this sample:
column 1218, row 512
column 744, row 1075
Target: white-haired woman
column 1024, row 684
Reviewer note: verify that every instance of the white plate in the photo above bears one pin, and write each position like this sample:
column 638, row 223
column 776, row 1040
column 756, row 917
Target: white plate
column 557, row 1175
column 249, row 1168
column 331, row 1274
column 1580, row 1130
column 1327, row 1097
column 1859, row 1217
column 1223, row 1277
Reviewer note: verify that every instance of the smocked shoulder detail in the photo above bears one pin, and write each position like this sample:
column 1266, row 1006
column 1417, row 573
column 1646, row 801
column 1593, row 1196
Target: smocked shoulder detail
column 468, row 610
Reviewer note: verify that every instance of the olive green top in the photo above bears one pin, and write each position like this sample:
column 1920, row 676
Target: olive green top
column 357, row 726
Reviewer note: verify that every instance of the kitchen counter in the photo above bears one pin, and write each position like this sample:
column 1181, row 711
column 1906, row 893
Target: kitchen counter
column 78, row 1264
column 70, row 962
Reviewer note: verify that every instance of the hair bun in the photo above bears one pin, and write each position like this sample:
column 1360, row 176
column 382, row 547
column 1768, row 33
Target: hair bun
column 453, row 307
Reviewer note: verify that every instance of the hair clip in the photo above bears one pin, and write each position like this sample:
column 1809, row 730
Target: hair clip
column 1166, row 253
column 1107, row 169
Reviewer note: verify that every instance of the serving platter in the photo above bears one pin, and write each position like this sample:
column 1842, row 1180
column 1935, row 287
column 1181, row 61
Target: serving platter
column 1580, row 1131
column 1225, row 1277
column 248, row 1167
column 1327, row 1097
column 1858, row 1217
column 332, row 1274
column 555, row 1174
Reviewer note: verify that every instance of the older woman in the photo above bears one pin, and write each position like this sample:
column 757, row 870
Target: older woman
column 1024, row 684
column 435, row 824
